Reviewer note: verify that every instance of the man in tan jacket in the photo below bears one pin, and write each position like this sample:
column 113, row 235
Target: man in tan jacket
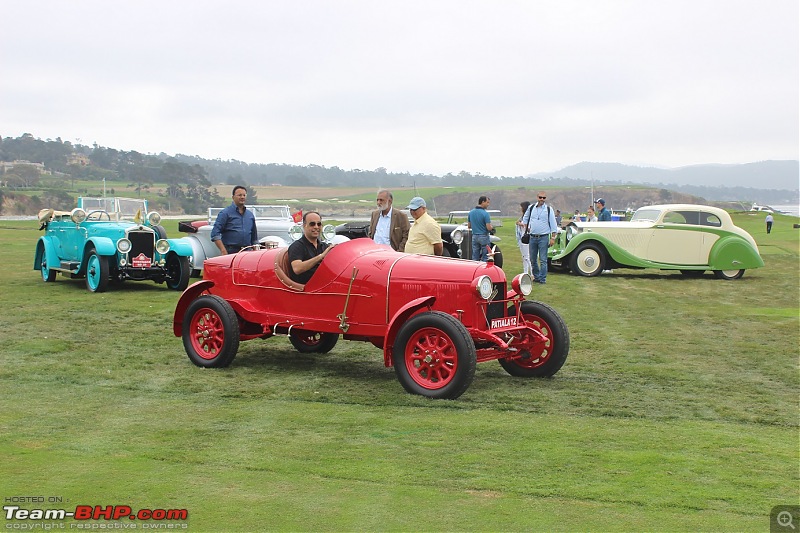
column 387, row 225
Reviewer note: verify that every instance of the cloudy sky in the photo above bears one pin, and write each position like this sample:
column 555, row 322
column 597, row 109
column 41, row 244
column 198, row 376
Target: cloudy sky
column 494, row 86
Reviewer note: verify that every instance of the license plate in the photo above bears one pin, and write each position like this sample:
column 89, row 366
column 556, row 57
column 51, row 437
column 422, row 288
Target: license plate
column 141, row 261
column 505, row 322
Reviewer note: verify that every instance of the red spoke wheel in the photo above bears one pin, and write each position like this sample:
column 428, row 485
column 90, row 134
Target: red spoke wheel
column 210, row 332
column 313, row 341
column 540, row 359
column 434, row 356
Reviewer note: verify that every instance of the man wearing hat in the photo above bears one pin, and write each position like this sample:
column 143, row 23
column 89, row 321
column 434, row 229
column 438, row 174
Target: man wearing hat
column 425, row 235
column 603, row 214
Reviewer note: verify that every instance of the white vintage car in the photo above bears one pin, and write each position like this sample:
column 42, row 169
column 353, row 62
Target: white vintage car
column 685, row 237
column 273, row 222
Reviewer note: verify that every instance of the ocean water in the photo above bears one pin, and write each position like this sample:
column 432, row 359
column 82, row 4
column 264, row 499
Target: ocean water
column 792, row 209
column 789, row 209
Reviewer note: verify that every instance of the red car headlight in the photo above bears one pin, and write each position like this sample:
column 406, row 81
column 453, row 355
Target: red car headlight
column 483, row 286
column 522, row 284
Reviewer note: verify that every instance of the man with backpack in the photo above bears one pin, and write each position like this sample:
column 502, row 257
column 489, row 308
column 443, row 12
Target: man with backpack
column 540, row 222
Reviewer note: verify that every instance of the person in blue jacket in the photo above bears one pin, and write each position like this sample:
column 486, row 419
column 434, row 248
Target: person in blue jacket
column 603, row 214
column 235, row 227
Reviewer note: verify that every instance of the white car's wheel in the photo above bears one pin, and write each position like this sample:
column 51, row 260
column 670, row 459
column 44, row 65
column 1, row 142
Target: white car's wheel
column 588, row 260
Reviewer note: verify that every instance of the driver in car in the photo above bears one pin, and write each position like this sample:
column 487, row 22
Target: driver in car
column 307, row 252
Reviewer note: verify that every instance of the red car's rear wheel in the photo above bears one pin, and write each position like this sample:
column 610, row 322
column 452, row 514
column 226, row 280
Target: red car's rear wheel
column 210, row 332
column 541, row 359
column 434, row 356
column 313, row 341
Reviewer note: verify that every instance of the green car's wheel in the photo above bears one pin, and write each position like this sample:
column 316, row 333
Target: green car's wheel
column 97, row 274
column 434, row 356
column 210, row 332
column 729, row 274
column 587, row 260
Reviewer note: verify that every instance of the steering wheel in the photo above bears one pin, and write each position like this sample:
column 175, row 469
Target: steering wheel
column 98, row 215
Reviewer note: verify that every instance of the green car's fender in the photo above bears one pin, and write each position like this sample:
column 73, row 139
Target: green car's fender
column 733, row 253
column 616, row 253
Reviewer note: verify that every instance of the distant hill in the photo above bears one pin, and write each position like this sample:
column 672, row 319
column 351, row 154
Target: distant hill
column 761, row 175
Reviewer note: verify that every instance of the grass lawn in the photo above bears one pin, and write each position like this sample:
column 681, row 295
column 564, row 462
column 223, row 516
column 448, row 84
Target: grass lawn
column 677, row 410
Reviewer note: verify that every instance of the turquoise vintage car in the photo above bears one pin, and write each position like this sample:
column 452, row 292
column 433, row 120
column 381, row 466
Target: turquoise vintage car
column 685, row 237
column 110, row 239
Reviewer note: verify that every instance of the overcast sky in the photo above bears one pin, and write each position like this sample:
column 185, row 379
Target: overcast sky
column 495, row 86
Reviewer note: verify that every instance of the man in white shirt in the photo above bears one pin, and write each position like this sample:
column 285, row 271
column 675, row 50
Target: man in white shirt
column 388, row 226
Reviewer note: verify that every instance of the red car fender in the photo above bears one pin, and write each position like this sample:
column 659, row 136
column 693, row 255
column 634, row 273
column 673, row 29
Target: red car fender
column 191, row 292
column 399, row 318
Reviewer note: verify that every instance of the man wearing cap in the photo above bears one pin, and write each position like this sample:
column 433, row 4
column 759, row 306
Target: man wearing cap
column 425, row 235
column 603, row 214
column 388, row 226
column 479, row 221
column 541, row 223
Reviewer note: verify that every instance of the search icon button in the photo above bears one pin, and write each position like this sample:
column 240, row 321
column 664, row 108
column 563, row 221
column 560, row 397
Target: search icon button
column 784, row 518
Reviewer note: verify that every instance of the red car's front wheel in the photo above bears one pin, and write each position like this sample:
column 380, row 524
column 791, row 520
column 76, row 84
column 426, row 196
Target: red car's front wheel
column 210, row 332
column 434, row 356
column 541, row 358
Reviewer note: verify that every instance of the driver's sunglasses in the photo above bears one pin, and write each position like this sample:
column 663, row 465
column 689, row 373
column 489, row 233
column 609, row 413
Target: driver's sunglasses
column 312, row 224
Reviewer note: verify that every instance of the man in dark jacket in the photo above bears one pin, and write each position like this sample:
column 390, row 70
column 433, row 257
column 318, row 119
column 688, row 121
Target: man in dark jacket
column 603, row 214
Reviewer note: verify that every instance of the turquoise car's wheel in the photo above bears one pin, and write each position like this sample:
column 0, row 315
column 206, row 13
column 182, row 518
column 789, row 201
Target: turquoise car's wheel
column 47, row 274
column 434, row 356
column 312, row 341
column 210, row 332
column 540, row 359
column 729, row 274
column 96, row 272
column 178, row 272
column 587, row 260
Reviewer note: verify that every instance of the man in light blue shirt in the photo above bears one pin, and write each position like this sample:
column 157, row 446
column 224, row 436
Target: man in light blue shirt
column 479, row 221
column 541, row 223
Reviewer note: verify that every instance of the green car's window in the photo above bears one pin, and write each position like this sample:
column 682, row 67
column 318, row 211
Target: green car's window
column 675, row 217
column 710, row 219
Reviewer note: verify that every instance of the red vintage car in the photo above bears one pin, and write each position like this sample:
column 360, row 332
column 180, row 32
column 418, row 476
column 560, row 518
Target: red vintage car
column 433, row 317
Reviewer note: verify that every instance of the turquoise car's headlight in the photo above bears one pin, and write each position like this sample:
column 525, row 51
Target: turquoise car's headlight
column 124, row 246
column 162, row 246
column 153, row 218
column 77, row 215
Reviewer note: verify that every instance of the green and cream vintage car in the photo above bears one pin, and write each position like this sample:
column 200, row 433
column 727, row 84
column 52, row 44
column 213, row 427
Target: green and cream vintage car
column 685, row 237
column 110, row 239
